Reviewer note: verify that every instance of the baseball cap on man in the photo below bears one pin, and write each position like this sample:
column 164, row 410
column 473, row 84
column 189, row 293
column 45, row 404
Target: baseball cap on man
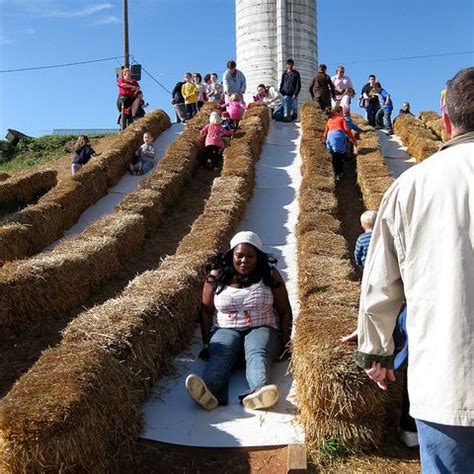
column 246, row 237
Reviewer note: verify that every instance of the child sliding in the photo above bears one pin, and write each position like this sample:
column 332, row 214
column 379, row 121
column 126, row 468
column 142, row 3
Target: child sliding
column 145, row 156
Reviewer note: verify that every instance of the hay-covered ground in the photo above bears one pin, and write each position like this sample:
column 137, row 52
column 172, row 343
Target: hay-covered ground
column 392, row 456
column 18, row 354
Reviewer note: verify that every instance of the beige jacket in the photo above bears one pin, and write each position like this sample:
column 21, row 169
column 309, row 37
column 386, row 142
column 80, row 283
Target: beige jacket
column 422, row 250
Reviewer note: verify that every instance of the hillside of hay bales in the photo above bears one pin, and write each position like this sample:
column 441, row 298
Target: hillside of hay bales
column 121, row 335
column 82, row 326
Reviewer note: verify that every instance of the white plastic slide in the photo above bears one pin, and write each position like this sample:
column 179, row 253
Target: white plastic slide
column 170, row 415
column 127, row 184
column 395, row 154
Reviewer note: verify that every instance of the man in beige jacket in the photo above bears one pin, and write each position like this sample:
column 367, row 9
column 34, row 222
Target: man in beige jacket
column 422, row 252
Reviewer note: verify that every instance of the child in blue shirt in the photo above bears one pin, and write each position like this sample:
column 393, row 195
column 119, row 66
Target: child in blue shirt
column 383, row 117
column 367, row 220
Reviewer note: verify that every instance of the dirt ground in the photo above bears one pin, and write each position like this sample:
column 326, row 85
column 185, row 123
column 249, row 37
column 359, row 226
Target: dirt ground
column 152, row 457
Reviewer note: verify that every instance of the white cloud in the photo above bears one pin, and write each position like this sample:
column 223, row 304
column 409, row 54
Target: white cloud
column 109, row 20
column 19, row 34
column 78, row 13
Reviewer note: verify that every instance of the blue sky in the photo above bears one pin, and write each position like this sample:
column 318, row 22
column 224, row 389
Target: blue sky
column 169, row 37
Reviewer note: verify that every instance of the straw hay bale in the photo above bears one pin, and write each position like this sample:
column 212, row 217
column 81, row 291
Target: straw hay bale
column 317, row 200
column 312, row 220
column 422, row 148
column 14, row 239
column 126, row 229
column 40, row 224
column 437, row 127
column 58, row 281
column 420, row 141
column 335, row 398
column 145, row 202
column 428, row 116
column 78, row 389
column 323, row 243
column 26, row 187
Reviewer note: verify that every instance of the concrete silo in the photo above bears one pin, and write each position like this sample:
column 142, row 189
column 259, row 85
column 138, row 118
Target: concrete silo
column 269, row 32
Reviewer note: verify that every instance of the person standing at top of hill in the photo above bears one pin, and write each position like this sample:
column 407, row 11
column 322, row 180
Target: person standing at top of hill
column 422, row 250
column 290, row 87
column 383, row 117
column 201, row 89
column 369, row 100
column 214, row 91
column 189, row 91
column 321, row 88
column 341, row 82
column 234, row 81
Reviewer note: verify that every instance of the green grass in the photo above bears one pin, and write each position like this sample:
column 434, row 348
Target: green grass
column 32, row 152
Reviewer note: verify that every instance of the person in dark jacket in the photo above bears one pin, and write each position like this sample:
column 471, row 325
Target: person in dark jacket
column 290, row 87
column 178, row 102
column 321, row 88
column 369, row 100
column 83, row 154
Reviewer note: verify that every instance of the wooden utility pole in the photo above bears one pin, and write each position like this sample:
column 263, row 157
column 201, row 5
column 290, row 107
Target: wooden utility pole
column 125, row 34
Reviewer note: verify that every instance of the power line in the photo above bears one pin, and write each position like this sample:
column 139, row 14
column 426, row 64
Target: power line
column 403, row 58
column 52, row 66
column 146, row 72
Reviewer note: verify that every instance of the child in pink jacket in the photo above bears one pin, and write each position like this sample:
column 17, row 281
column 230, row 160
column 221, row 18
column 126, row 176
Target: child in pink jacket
column 235, row 109
column 214, row 144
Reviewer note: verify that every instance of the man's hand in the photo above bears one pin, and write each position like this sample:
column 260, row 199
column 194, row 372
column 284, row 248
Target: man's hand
column 378, row 374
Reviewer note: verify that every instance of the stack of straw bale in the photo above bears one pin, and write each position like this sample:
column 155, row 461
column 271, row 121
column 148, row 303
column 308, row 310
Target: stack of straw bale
column 78, row 408
column 419, row 140
column 26, row 187
column 55, row 282
column 373, row 175
column 336, row 400
column 435, row 123
column 30, row 230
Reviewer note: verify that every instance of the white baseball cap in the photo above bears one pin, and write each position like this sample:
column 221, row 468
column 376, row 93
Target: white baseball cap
column 246, row 237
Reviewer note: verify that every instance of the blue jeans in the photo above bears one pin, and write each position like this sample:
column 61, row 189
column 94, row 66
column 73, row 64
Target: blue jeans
column 290, row 106
column 446, row 449
column 191, row 110
column 383, row 117
column 372, row 109
column 143, row 165
column 278, row 112
column 260, row 346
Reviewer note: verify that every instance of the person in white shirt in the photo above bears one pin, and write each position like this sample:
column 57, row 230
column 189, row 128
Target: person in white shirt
column 341, row 82
column 422, row 251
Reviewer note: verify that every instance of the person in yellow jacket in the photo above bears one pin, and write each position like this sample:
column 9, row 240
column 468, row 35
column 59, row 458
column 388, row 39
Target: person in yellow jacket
column 189, row 91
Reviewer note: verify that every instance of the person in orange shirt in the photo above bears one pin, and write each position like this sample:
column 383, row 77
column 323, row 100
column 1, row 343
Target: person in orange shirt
column 335, row 135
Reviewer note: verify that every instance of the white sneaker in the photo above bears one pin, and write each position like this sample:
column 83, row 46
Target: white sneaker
column 409, row 438
column 199, row 392
column 264, row 397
